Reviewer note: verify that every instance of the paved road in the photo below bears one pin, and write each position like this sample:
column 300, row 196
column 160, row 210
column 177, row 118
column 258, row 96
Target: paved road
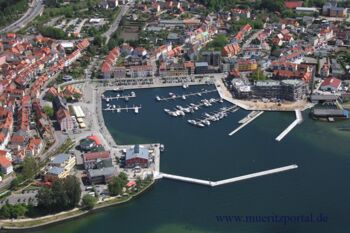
column 36, row 8
column 114, row 26
column 251, row 38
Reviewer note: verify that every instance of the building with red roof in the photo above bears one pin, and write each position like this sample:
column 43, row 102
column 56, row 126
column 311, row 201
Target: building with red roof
column 293, row 4
column 331, row 84
column 64, row 119
column 5, row 165
column 91, row 159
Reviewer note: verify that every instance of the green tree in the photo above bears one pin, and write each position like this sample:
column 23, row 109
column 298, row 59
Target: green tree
column 14, row 183
column 46, row 200
column 13, row 211
column 52, row 32
column 89, row 201
column 73, row 190
column 115, row 186
column 48, row 110
column 61, row 200
column 30, row 168
column 258, row 74
column 273, row 5
column 124, row 178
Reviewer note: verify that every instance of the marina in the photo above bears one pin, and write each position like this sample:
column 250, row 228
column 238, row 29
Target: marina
column 119, row 96
column 191, row 108
column 173, row 96
column 118, row 109
column 212, row 117
column 246, row 120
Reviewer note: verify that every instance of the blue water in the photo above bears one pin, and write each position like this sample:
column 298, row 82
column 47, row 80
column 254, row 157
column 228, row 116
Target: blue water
column 318, row 186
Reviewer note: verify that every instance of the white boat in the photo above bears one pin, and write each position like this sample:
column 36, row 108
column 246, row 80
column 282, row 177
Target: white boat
column 200, row 124
column 185, row 86
column 113, row 106
column 171, row 94
column 166, row 110
column 174, row 114
column 180, row 113
column 179, row 107
column 206, row 122
column 207, row 115
column 187, row 110
column 137, row 110
column 183, row 97
column 157, row 98
column 199, row 94
column 221, row 100
column 107, row 100
column 133, row 94
column 162, row 147
column 118, row 110
column 193, row 122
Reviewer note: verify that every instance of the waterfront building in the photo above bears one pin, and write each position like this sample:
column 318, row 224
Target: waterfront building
column 90, row 143
column 330, row 114
column 101, row 176
column 137, row 156
column 91, row 159
column 290, row 90
column 212, row 57
column 202, row 67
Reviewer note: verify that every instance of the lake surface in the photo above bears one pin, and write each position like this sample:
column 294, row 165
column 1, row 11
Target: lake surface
column 319, row 186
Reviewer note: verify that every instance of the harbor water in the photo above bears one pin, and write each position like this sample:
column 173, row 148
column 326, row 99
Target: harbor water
column 318, row 186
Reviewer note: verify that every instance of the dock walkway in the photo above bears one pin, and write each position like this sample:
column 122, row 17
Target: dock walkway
column 226, row 181
column 298, row 120
column 246, row 122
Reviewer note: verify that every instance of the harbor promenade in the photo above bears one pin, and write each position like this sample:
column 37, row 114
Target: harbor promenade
column 255, row 105
column 226, row 181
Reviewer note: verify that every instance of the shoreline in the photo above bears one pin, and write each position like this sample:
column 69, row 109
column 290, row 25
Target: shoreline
column 98, row 207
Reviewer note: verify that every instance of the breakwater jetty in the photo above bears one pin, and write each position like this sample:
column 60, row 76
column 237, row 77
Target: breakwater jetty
column 225, row 181
column 298, row 120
